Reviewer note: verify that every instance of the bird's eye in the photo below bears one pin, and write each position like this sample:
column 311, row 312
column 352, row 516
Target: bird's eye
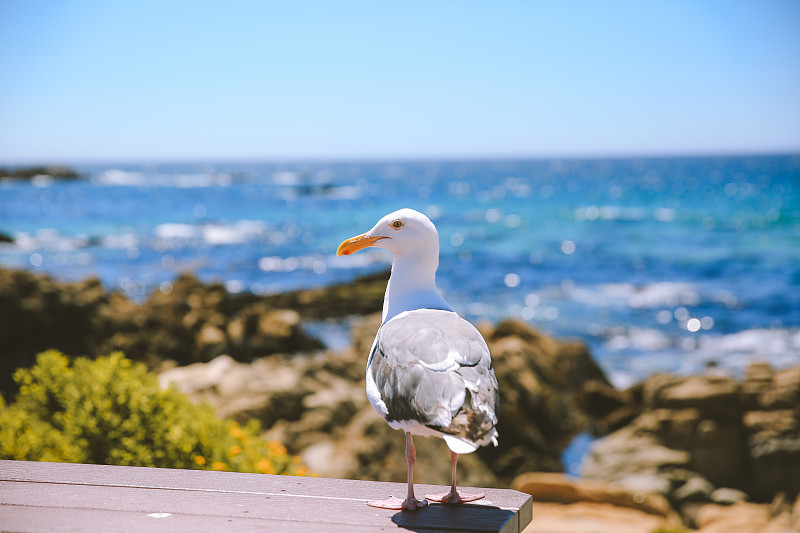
column 397, row 224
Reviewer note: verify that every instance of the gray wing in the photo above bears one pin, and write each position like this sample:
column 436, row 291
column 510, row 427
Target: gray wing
column 434, row 367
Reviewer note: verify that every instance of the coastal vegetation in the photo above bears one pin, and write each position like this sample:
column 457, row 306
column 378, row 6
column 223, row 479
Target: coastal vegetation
column 110, row 410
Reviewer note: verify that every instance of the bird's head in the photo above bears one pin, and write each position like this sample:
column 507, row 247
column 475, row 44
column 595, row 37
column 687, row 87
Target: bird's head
column 403, row 232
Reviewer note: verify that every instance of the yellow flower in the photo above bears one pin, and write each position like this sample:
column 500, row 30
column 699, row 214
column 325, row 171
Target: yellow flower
column 218, row 465
column 276, row 448
column 237, row 432
column 200, row 460
column 265, row 466
column 236, row 449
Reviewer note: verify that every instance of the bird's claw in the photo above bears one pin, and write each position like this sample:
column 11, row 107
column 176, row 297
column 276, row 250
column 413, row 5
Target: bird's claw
column 397, row 504
column 454, row 498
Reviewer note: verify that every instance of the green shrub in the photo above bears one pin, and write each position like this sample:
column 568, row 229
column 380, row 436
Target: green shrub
column 110, row 410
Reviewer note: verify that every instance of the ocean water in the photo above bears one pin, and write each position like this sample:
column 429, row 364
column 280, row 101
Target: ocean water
column 670, row 264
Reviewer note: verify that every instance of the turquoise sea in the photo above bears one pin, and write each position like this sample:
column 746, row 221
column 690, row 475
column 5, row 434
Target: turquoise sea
column 668, row 264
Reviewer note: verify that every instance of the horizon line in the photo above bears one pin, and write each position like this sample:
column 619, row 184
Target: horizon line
column 366, row 159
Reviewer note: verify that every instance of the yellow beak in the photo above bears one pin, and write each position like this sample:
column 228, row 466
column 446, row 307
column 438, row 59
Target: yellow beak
column 357, row 243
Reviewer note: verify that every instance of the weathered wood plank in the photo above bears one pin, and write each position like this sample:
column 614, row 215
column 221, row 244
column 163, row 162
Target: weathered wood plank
column 47, row 520
column 228, row 481
column 227, row 505
column 199, row 496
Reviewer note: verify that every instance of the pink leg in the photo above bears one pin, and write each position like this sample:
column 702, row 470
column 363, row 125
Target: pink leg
column 411, row 502
column 453, row 496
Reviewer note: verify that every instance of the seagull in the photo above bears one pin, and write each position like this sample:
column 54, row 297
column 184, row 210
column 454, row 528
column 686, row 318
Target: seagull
column 429, row 371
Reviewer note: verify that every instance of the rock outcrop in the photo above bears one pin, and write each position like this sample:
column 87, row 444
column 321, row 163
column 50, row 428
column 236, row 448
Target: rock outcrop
column 316, row 405
column 559, row 488
column 541, row 381
column 570, row 505
column 708, row 439
column 194, row 322
column 362, row 296
column 750, row 517
column 311, row 399
column 51, row 172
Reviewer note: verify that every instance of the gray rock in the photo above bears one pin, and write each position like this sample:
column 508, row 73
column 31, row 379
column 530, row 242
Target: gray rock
column 624, row 453
column 645, row 483
column 746, row 436
column 712, row 395
column 696, row 489
column 728, row 496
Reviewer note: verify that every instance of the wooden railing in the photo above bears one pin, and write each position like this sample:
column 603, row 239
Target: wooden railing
column 76, row 497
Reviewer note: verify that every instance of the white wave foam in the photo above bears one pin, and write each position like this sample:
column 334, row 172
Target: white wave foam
column 238, row 232
column 756, row 342
column 651, row 351
column 290, row 264
column 643, row 339
column 118, row 177
column 613, row 213
column 188, row 181
column 664, row 294
column 123, row 178
column 42, row 181
column 661, row 294
column 49, row 239
column 345, row 193
column 286, row 178
column 176, row 231
column 125, row 240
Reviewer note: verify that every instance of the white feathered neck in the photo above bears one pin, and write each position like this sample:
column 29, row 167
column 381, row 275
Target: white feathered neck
column 412, row 284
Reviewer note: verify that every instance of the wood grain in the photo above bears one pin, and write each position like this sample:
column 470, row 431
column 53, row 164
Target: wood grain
column 69, row 497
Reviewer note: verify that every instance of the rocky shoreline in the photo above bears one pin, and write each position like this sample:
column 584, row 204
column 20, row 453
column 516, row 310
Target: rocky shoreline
column 194, row 322
column 687, row 452
column 708, row 441
column 315, row 404
column 39, row 172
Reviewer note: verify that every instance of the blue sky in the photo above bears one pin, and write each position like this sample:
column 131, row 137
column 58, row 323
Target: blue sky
column 162, row 80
